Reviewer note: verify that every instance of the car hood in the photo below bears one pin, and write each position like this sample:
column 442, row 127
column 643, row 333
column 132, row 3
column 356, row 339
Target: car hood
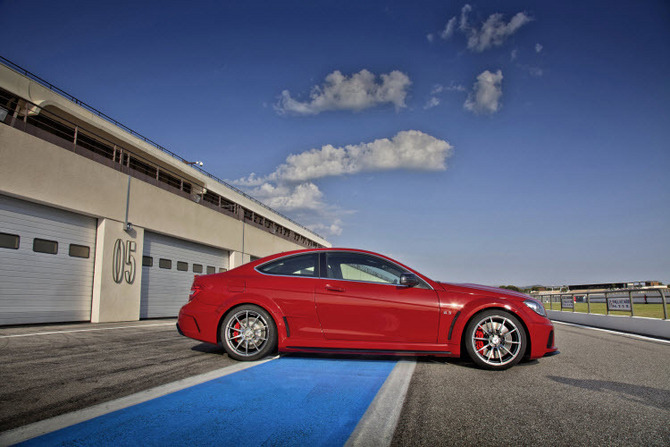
column 487, row 290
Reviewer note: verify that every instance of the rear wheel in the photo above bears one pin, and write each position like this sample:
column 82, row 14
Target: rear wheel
column 248, row 333
column 495, row 339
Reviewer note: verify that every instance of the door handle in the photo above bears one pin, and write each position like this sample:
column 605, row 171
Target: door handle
column 333, row 288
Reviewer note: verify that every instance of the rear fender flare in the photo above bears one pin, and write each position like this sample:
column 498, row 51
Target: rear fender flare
column 261, row 301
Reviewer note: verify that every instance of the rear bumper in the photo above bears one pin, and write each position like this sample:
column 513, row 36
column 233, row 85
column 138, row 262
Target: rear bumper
column 199, row 322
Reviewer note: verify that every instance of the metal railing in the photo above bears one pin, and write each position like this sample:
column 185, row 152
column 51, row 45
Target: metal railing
column 615, row 300
column 68, row 96
column 46, row 125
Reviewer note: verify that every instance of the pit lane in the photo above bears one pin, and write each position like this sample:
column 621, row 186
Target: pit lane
column 602, row 389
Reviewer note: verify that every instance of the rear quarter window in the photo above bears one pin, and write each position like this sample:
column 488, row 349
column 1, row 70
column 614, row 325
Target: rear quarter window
column 300, row 265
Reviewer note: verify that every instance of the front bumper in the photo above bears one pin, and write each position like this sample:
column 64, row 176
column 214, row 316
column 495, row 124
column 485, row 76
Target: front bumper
column 542, row 341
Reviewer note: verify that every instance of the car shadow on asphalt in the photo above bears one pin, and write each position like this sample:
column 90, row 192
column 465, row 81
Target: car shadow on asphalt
column 209, row 348
column 464, row 362
column 645, row 395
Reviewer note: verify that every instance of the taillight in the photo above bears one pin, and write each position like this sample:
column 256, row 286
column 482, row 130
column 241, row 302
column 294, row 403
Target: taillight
column 195, row 289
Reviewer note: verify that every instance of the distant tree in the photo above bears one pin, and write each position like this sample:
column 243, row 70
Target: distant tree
column 515, row 288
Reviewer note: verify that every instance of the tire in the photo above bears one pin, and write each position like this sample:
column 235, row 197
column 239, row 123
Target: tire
column 495, row 340
column 248, row 333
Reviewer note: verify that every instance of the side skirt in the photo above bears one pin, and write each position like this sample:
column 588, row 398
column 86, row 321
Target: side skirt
column 364, row 351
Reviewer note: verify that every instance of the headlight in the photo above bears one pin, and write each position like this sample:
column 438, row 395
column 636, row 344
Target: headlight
column 536, row 306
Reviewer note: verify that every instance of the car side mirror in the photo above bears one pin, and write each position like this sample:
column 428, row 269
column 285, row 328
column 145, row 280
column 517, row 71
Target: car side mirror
column 409, row 280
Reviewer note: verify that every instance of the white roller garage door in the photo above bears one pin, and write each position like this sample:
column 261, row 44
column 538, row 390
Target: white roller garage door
column 168, row 267
column 46, row 263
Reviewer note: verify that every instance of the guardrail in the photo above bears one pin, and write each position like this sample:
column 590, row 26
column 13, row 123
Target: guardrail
column 615, row 301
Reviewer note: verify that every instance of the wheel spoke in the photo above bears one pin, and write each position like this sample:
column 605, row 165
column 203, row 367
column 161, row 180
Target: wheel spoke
column 242, row 326
column 483, row 347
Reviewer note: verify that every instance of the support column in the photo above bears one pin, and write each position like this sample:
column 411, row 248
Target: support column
column 117, row 275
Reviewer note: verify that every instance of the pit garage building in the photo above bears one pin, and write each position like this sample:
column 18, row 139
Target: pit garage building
column 100, row 224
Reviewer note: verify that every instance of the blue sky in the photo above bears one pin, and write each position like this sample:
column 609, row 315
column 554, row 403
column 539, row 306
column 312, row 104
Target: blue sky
column 498, row 142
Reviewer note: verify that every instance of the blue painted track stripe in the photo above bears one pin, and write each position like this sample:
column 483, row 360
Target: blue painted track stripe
column 289, row 401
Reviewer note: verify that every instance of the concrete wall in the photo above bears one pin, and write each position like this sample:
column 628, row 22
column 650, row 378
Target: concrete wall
column 652, row 327
column 38, row 171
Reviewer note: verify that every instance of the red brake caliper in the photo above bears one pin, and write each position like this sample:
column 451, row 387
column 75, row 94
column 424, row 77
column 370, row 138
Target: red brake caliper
column 236, row 332
column 479, row 344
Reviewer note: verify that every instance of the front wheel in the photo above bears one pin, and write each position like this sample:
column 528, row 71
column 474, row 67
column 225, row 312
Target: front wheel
column 248, row 333
column 495, row 340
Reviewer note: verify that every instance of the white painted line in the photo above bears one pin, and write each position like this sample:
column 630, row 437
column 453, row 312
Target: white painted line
column 88, row 330
column 609, row 331
column 376, row 427
column 30, row 431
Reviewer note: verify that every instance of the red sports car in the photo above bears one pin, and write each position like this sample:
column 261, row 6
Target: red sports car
column 355, row 301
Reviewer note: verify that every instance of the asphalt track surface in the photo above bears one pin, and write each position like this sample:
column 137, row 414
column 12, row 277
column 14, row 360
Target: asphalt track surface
column 603, row 389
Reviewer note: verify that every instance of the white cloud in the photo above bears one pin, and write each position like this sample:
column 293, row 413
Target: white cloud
column 290, row 187
column 538, row 47
column 333, row 229
column 432, row 102
column 439, row 89
column 493, row 32
column 449, row 29
column 410, row 149
column 463, row 24
column 514, row 54
column 486, row 93
column 430, row 37
column 288, row 198
column 359, row 91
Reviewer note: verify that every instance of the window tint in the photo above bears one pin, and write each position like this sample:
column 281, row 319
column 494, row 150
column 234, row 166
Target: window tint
column 9, row 241
column 301, row 265
column 45, row 246
column 79, row 251
column 360, row 267
column 211, row 269
column 165, row 263
column 182, row 266
column 197, row 268
column 147, row 261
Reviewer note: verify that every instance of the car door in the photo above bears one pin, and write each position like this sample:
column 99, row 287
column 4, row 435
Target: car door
column 360, row 298
column 291, row 282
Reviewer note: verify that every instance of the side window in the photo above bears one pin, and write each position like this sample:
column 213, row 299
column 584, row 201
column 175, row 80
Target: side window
column 197, row 268
column 211, row 269
column 9, row 241
column 165, row 263
column 360, row 267
column 45, row 246
column 79, row 251
column 301, row 265
column 147, row 261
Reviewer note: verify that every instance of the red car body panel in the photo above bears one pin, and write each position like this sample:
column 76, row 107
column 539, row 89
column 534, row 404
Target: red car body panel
column 321, row 314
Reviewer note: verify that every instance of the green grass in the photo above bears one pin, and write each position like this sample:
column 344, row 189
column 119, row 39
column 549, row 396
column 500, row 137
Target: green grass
column 641, row 310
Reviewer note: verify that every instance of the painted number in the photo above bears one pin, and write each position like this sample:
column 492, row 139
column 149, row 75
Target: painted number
column 123, row 264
